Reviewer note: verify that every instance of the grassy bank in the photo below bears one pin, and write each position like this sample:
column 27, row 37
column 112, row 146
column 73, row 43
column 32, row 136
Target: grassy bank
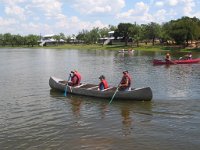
column 106, row 47
column 142, row 47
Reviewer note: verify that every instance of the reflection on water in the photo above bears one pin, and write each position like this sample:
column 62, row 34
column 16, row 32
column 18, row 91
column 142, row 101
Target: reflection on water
column 126, row 121
column 76, row 105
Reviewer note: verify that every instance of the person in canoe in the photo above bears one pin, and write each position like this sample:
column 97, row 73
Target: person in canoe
column 168, row 57
column 125, row 83
column 188, row 56
column 103, row 83
column 75, row 78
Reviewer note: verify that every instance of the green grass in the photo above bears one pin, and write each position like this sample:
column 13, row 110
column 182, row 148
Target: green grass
column 105, row 47
column 142, row 47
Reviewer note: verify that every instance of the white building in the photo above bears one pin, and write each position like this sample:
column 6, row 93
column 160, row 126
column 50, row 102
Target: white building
column 49, row 40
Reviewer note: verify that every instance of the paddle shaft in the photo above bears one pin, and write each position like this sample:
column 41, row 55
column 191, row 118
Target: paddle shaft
column 65, row 94
column 173, row 62
column 114, row 94
column 170, row 61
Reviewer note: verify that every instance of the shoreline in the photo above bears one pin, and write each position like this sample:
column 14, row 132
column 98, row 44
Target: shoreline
column 107, row 47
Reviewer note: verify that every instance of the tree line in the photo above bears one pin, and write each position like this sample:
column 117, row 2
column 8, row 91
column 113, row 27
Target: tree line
column 179, row 31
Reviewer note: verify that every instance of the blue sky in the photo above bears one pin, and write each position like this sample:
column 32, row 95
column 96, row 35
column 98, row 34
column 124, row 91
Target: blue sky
column 71, row 16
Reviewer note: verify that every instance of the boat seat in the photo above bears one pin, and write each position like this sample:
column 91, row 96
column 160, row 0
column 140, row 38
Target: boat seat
column 63, row 82
column 79, row 86
column 92, row 88
column 107, row 89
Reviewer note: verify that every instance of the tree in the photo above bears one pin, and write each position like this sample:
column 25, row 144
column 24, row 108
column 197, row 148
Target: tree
column 135, row 33
column 17, row 40
column 1, row 39
column 152, row 31
column 184, row 29
column 89, row 36
column 104, row 32
column 164, row 34
column 32, row 39
column 62, row 36
column 82, row 36
column 123, row 31
column 7, row 39
column 94, row 35
column 57, row 38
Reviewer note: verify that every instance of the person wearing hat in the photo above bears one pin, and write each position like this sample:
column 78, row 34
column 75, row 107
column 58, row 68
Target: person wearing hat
column 75, row 78
column 125, row 83
column 103, row 83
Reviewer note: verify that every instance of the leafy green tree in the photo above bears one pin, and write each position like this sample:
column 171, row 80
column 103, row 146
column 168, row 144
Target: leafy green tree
column 17, row 40
column 134, row 31
column 94, row 35
column 7, row 39
column 152, row 31
column 104, row 32
column 1, row 39
column 62, row 36
column 82, row 36
column 32, row 40
column 112, row 28
column 89, row 37
column 164, row 34
column 57, row 38
column 184, row 29
column 123, row 31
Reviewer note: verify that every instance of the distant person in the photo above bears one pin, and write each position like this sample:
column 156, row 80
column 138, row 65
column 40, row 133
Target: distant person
column 75, row 78
column 167, row 57
column 125, row 83
column 103, row 83
column 189, row 55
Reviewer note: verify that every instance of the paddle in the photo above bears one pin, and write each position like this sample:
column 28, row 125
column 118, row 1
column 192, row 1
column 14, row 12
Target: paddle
column 169, row 60
column 172, row 62
column 65, row 94
column 114, row 94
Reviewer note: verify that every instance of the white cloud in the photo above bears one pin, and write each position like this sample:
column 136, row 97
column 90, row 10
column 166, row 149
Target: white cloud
column 160, row 16
column 13, row 2
column 140, row 13
column 73, row 25
column 51, row 8
column 159, row 3
column 139, row 9
column 36, row 28
column 6, row 22
column 188, row 8
column 15, row 10
column 98, row 6
column 173, row 2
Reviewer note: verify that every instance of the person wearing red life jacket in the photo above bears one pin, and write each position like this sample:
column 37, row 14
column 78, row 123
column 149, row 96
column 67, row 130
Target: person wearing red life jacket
column 75, row 78
column 103, row 83
column 125, row 83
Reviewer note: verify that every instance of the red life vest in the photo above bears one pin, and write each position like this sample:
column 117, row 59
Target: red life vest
column 123, row 81
column 77, row 80
column 105, row 84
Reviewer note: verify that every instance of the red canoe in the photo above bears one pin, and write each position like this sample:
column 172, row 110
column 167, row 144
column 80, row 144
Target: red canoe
column 173, row 62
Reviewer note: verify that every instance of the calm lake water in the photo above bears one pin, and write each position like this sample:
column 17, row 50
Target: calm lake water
column 33, row 117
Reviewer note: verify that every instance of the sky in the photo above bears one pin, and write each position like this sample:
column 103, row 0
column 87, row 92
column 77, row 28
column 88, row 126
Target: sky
column 42, row 17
